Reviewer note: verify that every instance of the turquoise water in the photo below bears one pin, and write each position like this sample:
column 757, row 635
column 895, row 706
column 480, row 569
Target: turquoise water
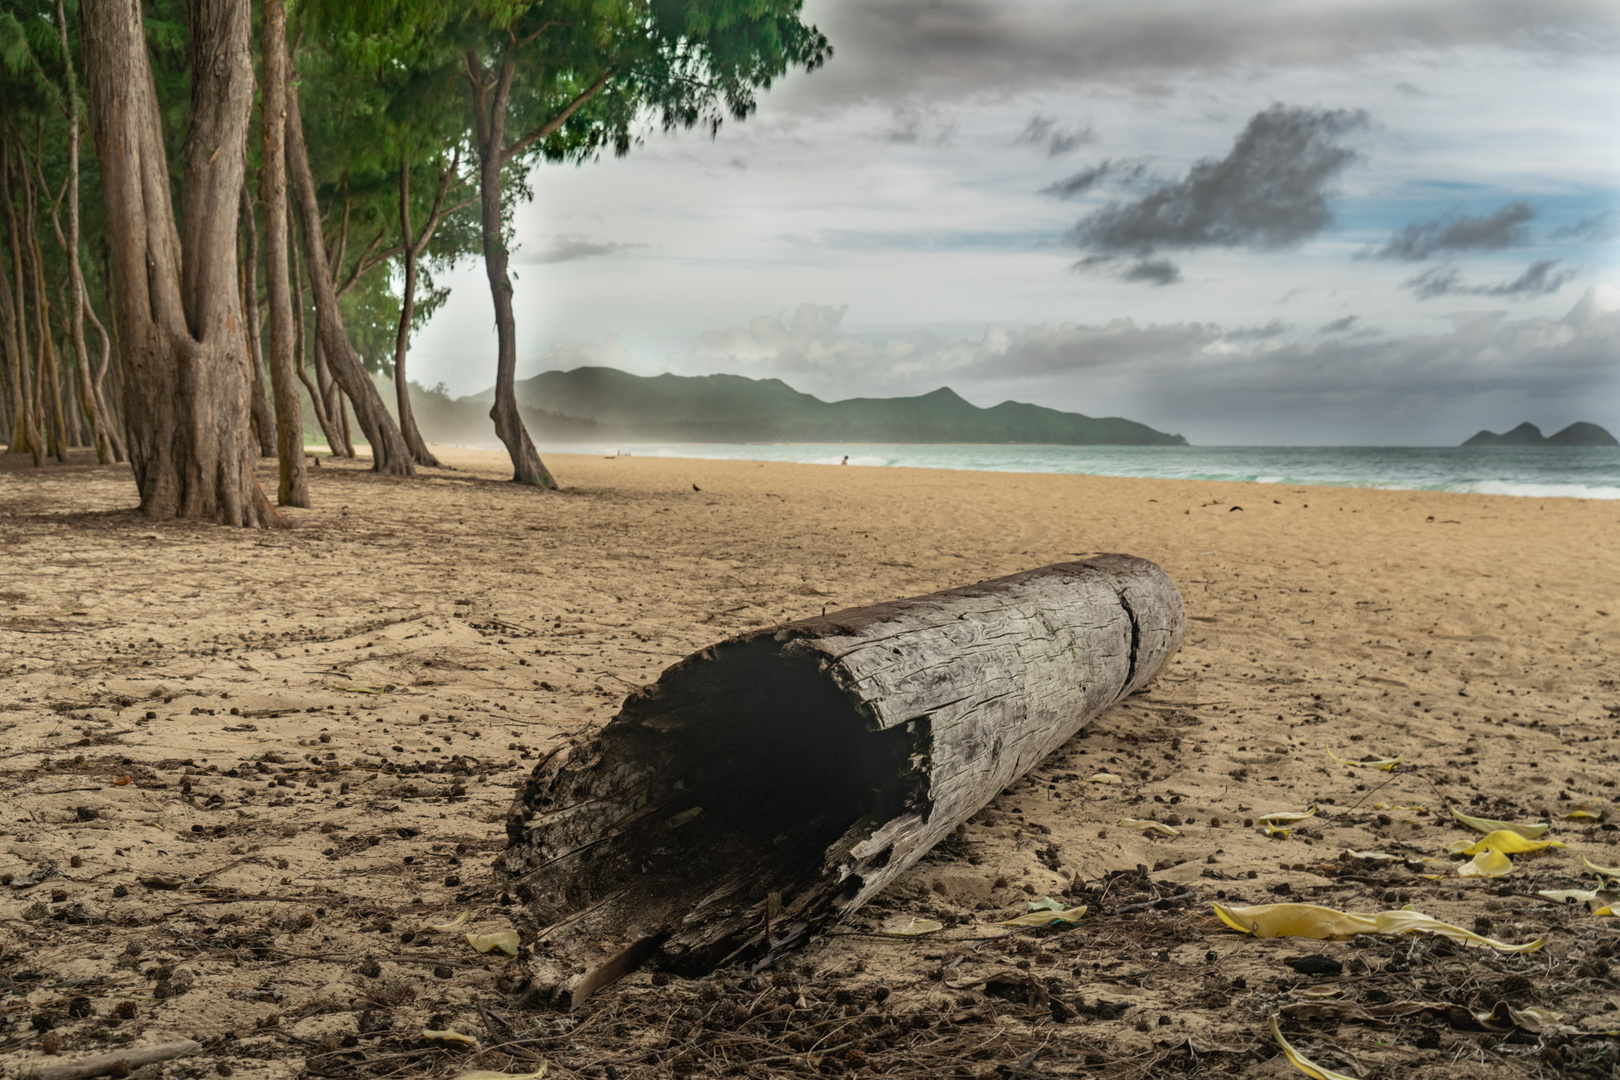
column 1543, row 471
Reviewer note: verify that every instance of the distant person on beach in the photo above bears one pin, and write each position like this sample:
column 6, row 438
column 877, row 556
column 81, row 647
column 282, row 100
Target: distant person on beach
column 845, row 461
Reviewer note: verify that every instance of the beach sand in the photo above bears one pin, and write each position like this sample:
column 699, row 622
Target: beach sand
column 242, row 771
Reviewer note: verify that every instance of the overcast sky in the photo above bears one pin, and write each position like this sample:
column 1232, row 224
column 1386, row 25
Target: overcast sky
column 1336, row 222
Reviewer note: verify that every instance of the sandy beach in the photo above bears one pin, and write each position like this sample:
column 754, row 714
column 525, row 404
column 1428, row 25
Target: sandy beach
column 242, row 772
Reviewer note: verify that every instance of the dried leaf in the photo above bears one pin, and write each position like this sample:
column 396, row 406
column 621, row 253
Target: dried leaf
column 486, row 1074
column 1583, row 896
column 1301, row 1062
column 443, row 928
column 1046, row 903
column 1275, row 830
column 363, row 689
column 1603, row 903
column 1504, row 841
column 454, row 1037
column 683, row 817
column 1486, row 864
column 122, row 781
column 1413, row 922
column 1070, row 917
column 1387, row 764
column 504, row 940
column 916, row 928
column 1286, row 817
column 1105, row 778
column 1587, row 812
column 1148, row 826
column 1606, row 871
column 1296, row 920
column 1488, row 826
column 1378, row 855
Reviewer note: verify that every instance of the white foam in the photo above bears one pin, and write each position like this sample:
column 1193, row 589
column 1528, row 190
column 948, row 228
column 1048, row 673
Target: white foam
column 1541, row 491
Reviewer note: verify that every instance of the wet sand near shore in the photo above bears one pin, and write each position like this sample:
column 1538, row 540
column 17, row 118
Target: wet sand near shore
column 242, row 773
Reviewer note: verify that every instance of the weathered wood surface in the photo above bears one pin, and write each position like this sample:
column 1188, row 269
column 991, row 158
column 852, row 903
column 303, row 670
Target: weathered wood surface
column 777, row 781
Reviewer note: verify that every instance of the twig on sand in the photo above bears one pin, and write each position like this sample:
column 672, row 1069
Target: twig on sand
column 102, row 1064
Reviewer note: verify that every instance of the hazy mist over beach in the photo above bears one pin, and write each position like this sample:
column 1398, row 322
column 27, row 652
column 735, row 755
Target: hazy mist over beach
column 1338, row 223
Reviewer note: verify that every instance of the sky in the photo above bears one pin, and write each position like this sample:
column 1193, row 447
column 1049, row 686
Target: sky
column 1343, row 222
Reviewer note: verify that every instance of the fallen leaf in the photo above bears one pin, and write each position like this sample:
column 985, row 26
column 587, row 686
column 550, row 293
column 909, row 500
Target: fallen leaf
column 1486, row 864
column 1105, row 778
column 486, row 1074
column 504, row 940
column 1286, row 817
column 1378, row 855
column 1414, row 922
column 1603, row 903
column 1148, row 826
column 1301, row 1062
column 1070, row 917
column 1046, row 903
column 1275, row 830
column 916, row 928
column 1607, row 871
column 1587, row 812
column 683, row 817
column 1561, row 895
column 1488, row 826
column 1387, row 764
column 362, row 689
column 121, row 781
column 441, row 928
column 1296, row 920
column 1505, row 842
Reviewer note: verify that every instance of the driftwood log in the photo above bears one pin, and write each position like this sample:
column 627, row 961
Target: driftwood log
column 775, row 782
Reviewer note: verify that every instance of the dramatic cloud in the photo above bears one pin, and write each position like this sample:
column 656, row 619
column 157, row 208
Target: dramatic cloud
column 1461, row 232
column 1539, row 279
column 1123, row 171
column 570, row 247
column 1269, row 192
column 910, row 126
column 958, row 49
column 1598, row 228
column 1339, row 326
column 1044, row 130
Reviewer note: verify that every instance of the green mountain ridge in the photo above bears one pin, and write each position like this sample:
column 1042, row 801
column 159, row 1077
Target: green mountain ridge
column 590, row 403
column 1579, row 433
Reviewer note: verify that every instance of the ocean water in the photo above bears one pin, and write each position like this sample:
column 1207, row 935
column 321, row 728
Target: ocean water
column 1540, row 471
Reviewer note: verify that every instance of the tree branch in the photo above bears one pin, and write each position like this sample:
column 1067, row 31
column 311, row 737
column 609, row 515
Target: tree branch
column 550, row 126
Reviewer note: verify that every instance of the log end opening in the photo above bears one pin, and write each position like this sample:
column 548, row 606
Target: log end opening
column 721, row 806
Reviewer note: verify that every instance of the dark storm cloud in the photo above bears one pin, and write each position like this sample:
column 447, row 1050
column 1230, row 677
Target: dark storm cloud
column 570, row 247
column 1597, row 228
column 890, row 49
column 1120, row 171
column 1461, row 232
column 1153, row 271
column 1539, row 279
column 1339, row 326
column 1269, row 192
column 1044, row 131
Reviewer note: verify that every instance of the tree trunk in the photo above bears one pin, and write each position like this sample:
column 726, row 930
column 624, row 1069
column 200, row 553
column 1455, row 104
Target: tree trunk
column 770, row 785
column 407, row 306
column 389, row 454
column 264, row 418
column 47, row 387
column 294, row 487
column 20, row 438
column 26, row 436
column 489, row 112
column 184, row 360
column 99, row 423
column 98, row 381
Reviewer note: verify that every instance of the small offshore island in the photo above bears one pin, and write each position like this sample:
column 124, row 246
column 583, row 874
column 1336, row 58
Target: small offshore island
column 1579, row 433
column 602, row 404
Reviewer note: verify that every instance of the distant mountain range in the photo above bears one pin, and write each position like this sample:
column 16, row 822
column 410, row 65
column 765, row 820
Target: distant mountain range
column 1579, row 433
column 594, row 404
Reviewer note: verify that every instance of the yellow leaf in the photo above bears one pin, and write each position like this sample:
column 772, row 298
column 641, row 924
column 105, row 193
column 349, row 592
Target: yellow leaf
column 1047, row 918
column 1148, row 827
column 486, row 1074
column 504, row 940
column 1275, row 830
column 1301, row 1062
column 1504, row 841
column 1387, row 764
column 1296, row 920
column 1286, row 817
column 1413, row 922
column 1105, row 778
column 1603, row 903
column 1379, row 855
column 1486, row 825
column 1583, row 895
column 916, row 928
column 1486, row 864
column 1607, row 871
column 442, row 928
